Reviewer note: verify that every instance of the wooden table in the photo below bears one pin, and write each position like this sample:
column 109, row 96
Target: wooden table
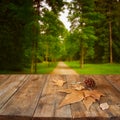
column 35, row 97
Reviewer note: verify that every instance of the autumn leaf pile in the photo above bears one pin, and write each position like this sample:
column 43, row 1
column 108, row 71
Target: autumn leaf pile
column 88, row 97
column 78, row 93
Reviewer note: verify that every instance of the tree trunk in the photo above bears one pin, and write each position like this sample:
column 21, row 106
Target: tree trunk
column 110, row 30
column 36, row 56
column 82, row 57
column 33, row 58
column 46, row 57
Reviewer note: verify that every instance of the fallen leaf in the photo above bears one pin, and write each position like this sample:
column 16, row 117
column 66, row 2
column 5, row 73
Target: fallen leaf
column 104, row 106
column 66, row 90
column 88, row 101
column 72, row 98
column 97, row 94
column 75, row 95
column 59, row 82
column 78, row 87
column 74, row 82
column 93, row 93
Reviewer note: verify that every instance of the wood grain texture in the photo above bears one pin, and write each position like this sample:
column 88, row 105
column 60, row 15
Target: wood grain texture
column 9, row 87
column 77, row 109
column 114, row 80
column 24, row 102
column 111, row 95
column 48, row 104
column 3, row 78
column 35, row 97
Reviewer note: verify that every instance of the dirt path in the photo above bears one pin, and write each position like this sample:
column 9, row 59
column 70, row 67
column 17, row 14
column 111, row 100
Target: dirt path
column 62, row 68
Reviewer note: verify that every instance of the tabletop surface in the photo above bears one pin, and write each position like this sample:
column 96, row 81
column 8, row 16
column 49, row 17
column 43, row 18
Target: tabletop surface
column 36, row 97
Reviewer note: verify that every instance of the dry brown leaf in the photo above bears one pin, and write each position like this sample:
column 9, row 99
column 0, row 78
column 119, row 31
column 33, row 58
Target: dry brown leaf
column 72, row 98
column 104, row 106
column 59, row 82
column 93, row 93
column 66, row 90
column 97, row 94
column 87, row 93
column 78, row 87
column 88, row 101
column 74, row 95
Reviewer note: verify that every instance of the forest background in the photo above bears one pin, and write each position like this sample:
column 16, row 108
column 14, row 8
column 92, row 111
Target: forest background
column 32, row 33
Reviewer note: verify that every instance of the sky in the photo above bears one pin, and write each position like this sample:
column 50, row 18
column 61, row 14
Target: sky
column 63, row 17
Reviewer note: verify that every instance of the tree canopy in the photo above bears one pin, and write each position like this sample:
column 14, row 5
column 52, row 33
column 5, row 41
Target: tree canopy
column 31, row 32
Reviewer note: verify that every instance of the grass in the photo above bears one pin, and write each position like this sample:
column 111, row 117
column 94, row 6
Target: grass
column 95, row 68
column 42, row 68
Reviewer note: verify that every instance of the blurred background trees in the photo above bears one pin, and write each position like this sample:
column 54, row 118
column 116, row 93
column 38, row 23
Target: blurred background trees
column 31, row 32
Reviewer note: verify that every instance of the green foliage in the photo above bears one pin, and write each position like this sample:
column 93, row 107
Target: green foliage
column 43, row 68
column 34, row 34
column 20, row 28
column 83, row 17
column 108, row 9
column 71, row 43
column 51, row 35
column 94, row 36
column 15, row 20
column 56, row 5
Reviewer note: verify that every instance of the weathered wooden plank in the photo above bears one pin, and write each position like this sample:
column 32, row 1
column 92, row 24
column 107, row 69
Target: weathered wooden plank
column 3, row 78
column 114, row 80
column 34, row 97
column 10, row 86
column 111, row 96
column 12, row 117
column 48, row 104
column 78, row 109
column 24, row 102
column 100, row 113
column 64, row 112
column 103, row 85
column 95, row 110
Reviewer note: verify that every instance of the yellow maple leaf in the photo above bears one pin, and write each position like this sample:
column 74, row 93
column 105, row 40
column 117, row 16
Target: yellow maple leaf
column 59, row 82
column 87, row 96
column 72, row 97
column 78, row 87
column 93, row 93
column 69, row 90
column 88, row 101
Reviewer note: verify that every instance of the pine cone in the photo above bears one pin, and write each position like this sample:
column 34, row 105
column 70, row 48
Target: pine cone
column 89, row 83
